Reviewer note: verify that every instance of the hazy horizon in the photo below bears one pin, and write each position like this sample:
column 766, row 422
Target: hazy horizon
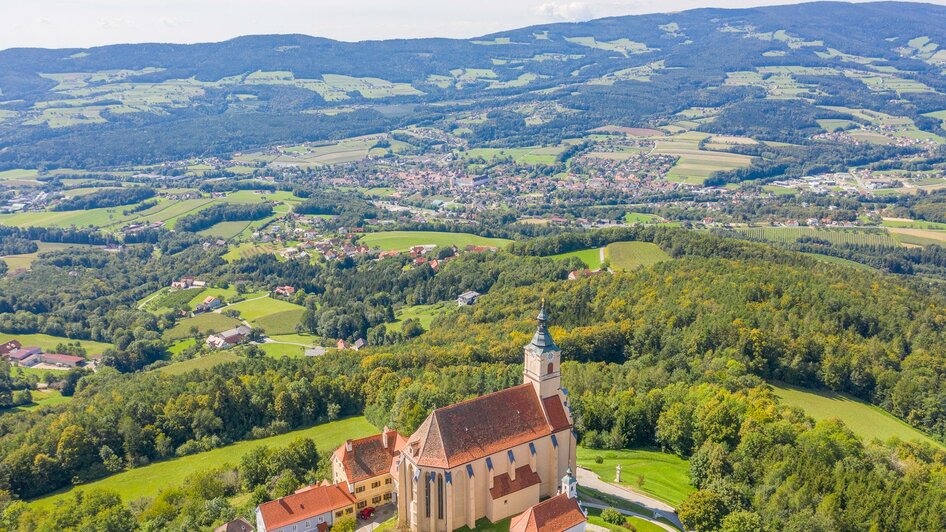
column 89, row 23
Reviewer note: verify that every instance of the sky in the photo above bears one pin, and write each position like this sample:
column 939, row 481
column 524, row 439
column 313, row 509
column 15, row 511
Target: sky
column 85, row 23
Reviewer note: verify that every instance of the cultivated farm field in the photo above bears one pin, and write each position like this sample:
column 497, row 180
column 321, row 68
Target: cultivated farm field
column 872, row 237
column 631, row 255
column 48, row 343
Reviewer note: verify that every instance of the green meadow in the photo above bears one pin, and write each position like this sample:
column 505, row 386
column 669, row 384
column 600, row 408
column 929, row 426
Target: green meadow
column 865, row 420
column 207, row 323
column 424, row 314
column 149, row 480
column 48, row 343
column 591, row 257
column 663, row 476
column 404, row 240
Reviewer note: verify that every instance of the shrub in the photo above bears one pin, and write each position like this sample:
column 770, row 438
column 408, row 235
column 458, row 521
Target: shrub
column 614, row 517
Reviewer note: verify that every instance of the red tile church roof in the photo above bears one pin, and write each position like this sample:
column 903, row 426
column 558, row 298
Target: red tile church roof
column 488, row 424
column 553, row 515
column 504, row 485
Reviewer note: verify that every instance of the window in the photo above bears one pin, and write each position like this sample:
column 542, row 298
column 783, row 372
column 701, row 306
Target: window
column 375, row 500
column 387, row 481
column 426, row 497
column 359, row 489
column 349, row 510
column 375, row 484
column 439, row 496
column 362, row 504
column 387, row 496
column 551, row 366
column 307, row 524
column 339, row 513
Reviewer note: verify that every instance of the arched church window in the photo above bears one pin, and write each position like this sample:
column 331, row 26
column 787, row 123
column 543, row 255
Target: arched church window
column 426, row 497
column 439, row 496
column 551, row 365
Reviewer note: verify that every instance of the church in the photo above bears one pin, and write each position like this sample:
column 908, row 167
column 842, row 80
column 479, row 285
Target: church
column 508, row 454
column 494, row 456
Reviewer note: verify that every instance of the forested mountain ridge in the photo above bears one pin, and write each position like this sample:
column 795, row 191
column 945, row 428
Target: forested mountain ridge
column 259, row 90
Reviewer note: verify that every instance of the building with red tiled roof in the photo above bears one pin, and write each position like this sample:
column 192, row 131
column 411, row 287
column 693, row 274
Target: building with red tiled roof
column 494, row 456
column 9, row 347
column 558, row 514
column 364, row 467
column 309, row 509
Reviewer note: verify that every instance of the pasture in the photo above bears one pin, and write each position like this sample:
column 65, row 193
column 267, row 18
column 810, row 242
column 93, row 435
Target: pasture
column 837, row 236
column 631, row 255
column 424, row 314
column 865, row 420
column 207, row 323
column 591, row 257
column 43, row 398
column 25, row 260
column 247, row 250
column 663, row 476
column 257, row 307
column 529, row 155
column 202, row 362
column 404, row 240
column 149, row 480
column 48, row 343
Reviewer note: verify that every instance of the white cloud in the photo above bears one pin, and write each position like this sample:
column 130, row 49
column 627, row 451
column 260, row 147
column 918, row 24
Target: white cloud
column 168, row 22
column 570, row 11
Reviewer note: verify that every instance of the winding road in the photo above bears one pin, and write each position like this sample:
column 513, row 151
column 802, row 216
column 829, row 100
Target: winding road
column 661, row 509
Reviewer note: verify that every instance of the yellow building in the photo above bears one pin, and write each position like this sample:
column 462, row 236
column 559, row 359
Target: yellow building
column 495, row 456
column 364, row 467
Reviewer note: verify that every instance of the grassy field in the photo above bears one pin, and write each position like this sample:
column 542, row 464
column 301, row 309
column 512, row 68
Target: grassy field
column 630, row 255
column 283, row 322
column 591, row 257
column 147, row 481
column 43, row 398
column 48, row 343
column 640, row 525
column 425, row 314
column 529, row 155
column 918, row 237
column 282, row 350
column 873, row 237
column 207, row 323
column 865, row 420
column 663, row 476
column 262, row 307
column 247, row 250
column 842, row 262
column 26, row 260
column 403, row 240
column 204, row 362
column 641, row 218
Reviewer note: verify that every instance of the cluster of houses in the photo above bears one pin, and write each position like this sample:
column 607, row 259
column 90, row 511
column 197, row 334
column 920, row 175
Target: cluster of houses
column 505, row 455
column 229, row 338
column 31, row 356
column 188, row 281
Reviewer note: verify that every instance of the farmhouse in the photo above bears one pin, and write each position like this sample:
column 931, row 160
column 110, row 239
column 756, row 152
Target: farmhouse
column 69, row 361
column 468, row 298
column 284, row 291
column 309, row 509
column 229, row 338
column 495, row 456
column 364, row 467
column 17, row 356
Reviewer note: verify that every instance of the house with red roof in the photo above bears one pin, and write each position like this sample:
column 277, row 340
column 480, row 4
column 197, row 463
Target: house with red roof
column 364, row 466
column 9, row 347
column 314, row 508
column 495, row 456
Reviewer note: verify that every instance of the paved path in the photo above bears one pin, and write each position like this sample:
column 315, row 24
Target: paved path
column 591, row 480
column 647, row 518
column 601, row 254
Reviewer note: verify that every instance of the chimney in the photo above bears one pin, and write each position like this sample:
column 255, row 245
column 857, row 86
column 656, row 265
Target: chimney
column 384, row 437
column 348, row 445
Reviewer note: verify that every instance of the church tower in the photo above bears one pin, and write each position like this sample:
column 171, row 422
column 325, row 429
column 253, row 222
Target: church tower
column 543, row 360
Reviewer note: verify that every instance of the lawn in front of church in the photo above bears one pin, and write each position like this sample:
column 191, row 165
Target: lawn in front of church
column 663, row 476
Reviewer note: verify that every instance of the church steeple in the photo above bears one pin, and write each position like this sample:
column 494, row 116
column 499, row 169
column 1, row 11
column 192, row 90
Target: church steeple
column 543, row 359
